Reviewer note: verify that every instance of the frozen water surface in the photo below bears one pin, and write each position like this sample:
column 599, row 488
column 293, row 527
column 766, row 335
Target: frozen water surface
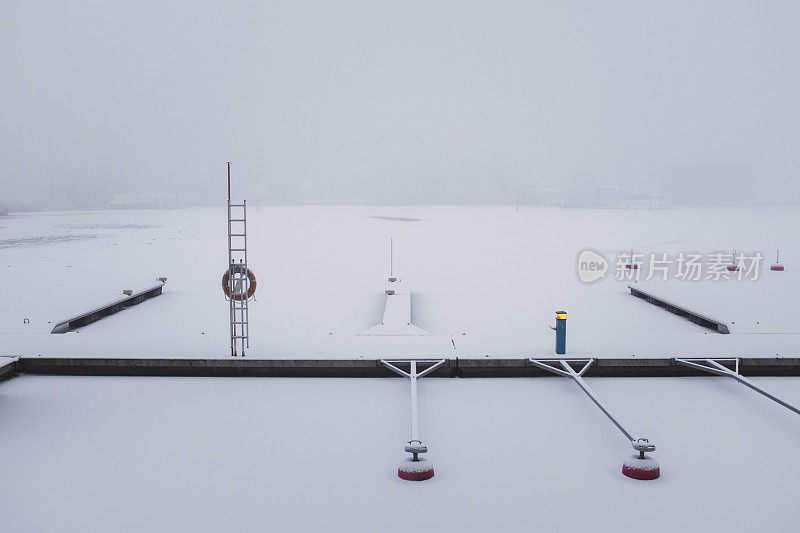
column 485, row 279
column 518, row 454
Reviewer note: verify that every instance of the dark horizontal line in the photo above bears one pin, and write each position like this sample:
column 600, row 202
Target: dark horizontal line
column 357, row 368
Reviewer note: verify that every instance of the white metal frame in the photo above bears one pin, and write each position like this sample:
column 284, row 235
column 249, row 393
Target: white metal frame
column 713, row 366
column 415, row 445
column 641, row 445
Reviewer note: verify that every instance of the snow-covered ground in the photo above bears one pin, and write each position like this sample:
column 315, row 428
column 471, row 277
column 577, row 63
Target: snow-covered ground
column 220, row 454
column 486, row 281
column 247, row 454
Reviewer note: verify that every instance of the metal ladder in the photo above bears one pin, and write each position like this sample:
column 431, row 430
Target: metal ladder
column 238, row 281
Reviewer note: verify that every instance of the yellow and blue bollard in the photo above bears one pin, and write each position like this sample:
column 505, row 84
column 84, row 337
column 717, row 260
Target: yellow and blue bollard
column 561, row 332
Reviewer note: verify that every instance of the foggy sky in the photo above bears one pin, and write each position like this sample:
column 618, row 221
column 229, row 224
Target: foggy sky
column 347, row 96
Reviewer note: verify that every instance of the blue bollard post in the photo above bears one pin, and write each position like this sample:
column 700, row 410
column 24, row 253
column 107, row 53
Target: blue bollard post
column 561, row 332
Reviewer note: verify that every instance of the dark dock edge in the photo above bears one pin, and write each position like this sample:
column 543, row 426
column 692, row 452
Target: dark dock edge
column 693, row 316
column 339, row 368
column 8, row 368
column 109, row 309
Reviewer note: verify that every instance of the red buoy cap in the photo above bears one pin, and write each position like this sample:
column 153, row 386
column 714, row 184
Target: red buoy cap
column 644, row 469
column 419, row 470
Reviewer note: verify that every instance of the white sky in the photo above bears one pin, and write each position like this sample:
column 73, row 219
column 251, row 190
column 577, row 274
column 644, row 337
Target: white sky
column 426, row 95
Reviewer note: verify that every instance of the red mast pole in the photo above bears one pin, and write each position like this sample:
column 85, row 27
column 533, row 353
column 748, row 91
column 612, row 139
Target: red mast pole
column 230, row 263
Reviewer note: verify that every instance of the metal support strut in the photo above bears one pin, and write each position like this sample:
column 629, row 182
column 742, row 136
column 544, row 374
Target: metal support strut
column 641, row 445
column 712, row 366
column 414, row 446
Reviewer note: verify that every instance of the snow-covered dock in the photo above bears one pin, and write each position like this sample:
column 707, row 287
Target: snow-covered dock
column 765, row 306
column 8, row 367
column 351, row 368
column 396, row 319
column 672, row 307
column 93, row 315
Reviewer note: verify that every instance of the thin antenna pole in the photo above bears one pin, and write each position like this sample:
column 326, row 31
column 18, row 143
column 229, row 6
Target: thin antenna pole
column 229, row 182
column 391, row 257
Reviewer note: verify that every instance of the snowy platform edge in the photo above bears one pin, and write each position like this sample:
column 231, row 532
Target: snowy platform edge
column 467, row 368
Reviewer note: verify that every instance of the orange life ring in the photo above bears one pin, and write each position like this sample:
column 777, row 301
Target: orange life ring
column 251, row 286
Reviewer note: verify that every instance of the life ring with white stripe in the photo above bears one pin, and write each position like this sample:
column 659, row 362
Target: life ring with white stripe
column 251, row 283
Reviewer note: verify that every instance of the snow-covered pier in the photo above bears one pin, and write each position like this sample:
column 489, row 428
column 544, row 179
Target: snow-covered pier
column 367, row 368
column 8, row 367
column 396, row 319
column 131, row 298
column 672, row 307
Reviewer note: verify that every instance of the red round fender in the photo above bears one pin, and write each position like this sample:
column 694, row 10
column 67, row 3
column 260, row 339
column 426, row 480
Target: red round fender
column 251, row 286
